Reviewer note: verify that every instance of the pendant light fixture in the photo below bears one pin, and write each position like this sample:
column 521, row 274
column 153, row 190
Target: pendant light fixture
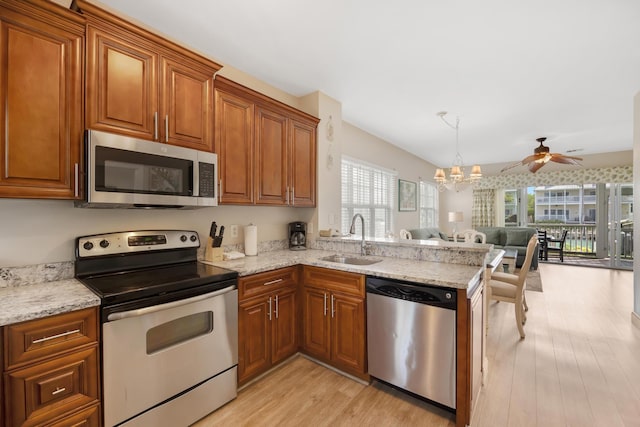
column 457, row 180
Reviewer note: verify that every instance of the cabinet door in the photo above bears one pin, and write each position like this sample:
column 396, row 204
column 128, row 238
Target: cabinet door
column 348, row 333
column 187, row 104
column 254, row 333
column 271, row 158
column 316, row 321
column 477, row 344
column 302, row 178
column 47, row 390
column 41, row 104
column 284, row 329
column 234, row 146
column 122, row 85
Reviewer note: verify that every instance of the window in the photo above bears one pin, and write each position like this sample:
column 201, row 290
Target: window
column 428, row 205
column 511, row 208
column 370, row 191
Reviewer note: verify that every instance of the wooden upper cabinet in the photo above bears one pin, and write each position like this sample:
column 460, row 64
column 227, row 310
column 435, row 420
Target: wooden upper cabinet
column 122, row 87
column 41, row 100
column 271, row 158
column 187, row 104
column 302, row 167
column 142, row 85
column 266, row 149
column 234, row 146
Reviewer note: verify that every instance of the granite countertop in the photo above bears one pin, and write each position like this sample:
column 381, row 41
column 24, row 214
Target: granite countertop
column 28, row 302
column 32, row 292
column 458, row 276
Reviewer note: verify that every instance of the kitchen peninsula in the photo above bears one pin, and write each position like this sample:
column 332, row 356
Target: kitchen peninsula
column 465, row 278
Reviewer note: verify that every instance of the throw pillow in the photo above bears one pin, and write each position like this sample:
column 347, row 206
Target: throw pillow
column 518, row 237
column 493, row 236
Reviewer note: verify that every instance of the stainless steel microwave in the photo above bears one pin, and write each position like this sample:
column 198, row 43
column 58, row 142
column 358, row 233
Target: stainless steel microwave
column 123, row 172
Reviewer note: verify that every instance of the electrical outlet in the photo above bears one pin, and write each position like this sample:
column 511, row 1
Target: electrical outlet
column 234, row 230
column 310, row 227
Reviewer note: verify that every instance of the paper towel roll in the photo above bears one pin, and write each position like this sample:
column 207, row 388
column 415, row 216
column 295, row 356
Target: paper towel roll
column 251, row 240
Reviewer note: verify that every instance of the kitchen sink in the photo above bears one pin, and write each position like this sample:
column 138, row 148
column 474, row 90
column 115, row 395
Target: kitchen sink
column 350, row 260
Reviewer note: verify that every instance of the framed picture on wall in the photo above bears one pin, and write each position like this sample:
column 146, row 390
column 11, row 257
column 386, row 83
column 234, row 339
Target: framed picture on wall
column 407, row 195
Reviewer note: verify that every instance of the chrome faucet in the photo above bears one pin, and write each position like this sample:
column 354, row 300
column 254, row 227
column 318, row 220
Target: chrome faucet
column 352, row 230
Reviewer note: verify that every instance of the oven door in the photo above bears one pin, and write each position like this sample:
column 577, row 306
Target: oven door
column 153, row 354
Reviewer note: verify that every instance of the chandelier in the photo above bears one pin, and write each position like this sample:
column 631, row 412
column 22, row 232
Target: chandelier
column 457, row 180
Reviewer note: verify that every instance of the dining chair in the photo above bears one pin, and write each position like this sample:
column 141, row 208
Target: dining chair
column 556, row 245
column 470, row 236
column 542, row 244
column 405, row 234
column 510, row 287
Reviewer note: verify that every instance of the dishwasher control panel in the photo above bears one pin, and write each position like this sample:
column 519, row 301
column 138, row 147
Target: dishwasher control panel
column 413, row 292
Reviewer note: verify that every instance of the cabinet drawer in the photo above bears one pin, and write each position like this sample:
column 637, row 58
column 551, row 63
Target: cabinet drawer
column 350, row 283
column 262, row 283
column 89, row 417
column 49, row 390
column 50, row 336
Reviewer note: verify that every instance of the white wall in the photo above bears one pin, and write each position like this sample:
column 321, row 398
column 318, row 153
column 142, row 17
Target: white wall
column 40, row 231
column 359, row 144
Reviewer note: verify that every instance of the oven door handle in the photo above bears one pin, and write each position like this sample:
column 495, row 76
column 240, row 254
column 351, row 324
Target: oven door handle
column 161, row 307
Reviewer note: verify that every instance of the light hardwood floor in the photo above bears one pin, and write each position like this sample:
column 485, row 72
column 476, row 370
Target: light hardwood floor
column 578, row 366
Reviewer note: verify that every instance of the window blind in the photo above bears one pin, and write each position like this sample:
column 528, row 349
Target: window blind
column 428, row 204
column 370, row 191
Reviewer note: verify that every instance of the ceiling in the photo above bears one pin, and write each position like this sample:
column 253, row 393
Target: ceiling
column 512, row 71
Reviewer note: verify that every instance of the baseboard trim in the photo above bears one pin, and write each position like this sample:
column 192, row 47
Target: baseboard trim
column 635, row 319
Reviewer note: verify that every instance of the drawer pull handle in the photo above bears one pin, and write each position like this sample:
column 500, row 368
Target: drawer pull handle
column 53, row 337
column 58, row 390
column 272, row 282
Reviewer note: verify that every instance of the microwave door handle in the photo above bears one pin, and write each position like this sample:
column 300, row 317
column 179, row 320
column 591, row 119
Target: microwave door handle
column 147, row 310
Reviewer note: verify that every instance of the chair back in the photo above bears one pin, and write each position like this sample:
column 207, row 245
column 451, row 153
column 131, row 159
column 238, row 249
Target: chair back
column 563, row 238
column 470, row 236
column 404, row 234
column 542, row 236
column 526, row 265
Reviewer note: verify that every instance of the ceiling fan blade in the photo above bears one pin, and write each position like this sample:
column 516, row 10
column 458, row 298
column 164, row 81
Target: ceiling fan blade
column 533, row 158
column 567, row 160
column 510, row 166
column 534, row 166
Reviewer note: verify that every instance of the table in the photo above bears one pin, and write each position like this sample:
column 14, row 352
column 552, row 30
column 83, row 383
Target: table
column 509, row 260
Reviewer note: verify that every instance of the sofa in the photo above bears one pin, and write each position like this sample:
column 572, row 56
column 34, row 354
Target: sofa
column 512, row 238
column 427, row 233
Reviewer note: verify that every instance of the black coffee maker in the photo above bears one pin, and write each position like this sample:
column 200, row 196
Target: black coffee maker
column 297, row 236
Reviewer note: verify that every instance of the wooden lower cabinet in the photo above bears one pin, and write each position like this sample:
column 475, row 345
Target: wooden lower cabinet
column 51, row 371
column 334, row 319
column 267, row 325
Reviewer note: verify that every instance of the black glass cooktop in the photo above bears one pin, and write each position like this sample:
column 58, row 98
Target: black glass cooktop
column 159, row 280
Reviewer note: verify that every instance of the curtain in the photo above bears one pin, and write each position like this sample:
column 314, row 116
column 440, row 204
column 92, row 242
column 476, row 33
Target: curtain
column 483, row 211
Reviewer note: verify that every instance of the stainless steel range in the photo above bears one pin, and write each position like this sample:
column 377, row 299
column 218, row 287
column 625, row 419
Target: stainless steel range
column 169, row 326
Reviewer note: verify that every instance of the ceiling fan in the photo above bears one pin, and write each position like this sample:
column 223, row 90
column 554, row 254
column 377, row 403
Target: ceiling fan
column 541, row 156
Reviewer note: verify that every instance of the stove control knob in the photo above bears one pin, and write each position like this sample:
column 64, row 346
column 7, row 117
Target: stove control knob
column 104, row 243
column 193, row 238
column 183, row 238
column 88, row 246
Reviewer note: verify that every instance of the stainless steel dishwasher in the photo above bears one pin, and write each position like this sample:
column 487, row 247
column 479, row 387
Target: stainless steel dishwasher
column 411, row 337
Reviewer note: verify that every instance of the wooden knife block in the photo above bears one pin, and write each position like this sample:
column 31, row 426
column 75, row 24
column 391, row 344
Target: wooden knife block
column 211, row 253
